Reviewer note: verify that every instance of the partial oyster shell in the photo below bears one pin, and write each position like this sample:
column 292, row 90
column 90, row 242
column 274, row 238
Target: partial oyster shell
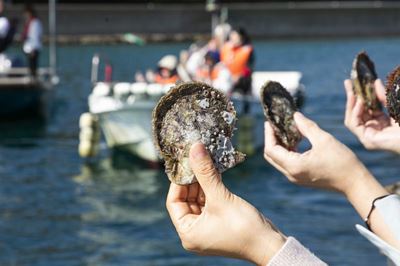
column 393, row 94
column 279, row 108
column 394, row 188
column 363, row 75
column 188, row 113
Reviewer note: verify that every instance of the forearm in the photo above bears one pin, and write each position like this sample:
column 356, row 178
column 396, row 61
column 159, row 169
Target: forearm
column 361, row 193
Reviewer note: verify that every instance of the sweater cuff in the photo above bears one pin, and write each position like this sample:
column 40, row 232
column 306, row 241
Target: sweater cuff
column 294, row 254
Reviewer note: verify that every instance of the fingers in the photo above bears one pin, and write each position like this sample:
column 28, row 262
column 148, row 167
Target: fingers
column 380, row 91
column 177, row 202
column 356, row 115
column 308, row 128
column 351, row 100
column 278, row 156
column 204, row 170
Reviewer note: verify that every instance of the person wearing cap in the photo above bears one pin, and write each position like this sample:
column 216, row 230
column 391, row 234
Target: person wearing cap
column 214, row 72
column 166, row 72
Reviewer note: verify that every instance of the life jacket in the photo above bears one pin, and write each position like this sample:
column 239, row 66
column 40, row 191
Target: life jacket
column 161, row 80
column 205, row 74
column 236, row 58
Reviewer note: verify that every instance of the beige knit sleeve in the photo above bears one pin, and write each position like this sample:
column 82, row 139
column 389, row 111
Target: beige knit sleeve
column 295, row 254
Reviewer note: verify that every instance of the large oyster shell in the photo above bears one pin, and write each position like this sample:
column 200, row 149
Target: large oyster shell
column 363, row 76
column 393, row 94
column 279, row 108
column 188, row 113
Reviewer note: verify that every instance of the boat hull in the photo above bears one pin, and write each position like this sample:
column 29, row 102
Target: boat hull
column 130, row 127
column 17, row 102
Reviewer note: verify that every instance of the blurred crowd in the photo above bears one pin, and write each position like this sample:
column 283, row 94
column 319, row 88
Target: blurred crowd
column 226, row 62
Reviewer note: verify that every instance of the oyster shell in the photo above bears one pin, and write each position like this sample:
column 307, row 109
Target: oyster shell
column 363, row 76
column 393, row 188
column 393, row 94
column 279, row 108
column 188, row 113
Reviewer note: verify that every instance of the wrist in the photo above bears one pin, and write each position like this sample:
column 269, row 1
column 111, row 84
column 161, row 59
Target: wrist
column 266, row 247
column 362, row 191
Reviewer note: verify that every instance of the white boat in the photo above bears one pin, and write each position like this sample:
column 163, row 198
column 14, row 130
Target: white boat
column 125, row 110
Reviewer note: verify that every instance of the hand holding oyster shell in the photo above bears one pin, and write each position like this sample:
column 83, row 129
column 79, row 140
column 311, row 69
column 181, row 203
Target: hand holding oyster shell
column 375, row 130
column 210, row 220
column 188, row 113
column 279, row 108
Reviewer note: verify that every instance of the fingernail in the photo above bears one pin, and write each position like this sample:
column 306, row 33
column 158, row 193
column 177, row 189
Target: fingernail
column 198, row 151
column 298, row 115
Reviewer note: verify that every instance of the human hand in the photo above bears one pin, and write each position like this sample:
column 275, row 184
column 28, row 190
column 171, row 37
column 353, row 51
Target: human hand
column 328, row 164
column 375, row 130
column 210, row 220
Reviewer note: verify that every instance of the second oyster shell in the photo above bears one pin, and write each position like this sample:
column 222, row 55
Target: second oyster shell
column 279, row 108
column 188, row 113
column 363, row 76
column 393, row 94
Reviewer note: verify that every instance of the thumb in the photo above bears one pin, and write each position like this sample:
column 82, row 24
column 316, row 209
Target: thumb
column 307, row 127
column 380, row 91
column 205, row 171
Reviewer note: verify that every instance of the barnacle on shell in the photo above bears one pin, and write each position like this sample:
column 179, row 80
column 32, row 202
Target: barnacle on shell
column 363, row 76
column 188, row 113
column 279, row 108
column 393, row 94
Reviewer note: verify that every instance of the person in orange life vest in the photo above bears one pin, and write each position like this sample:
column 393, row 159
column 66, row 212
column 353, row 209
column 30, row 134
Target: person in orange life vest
column 32, row 37
column 215, row 73
column 166, row 72
column 238, row 55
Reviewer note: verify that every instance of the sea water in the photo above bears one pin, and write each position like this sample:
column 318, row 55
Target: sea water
column 56, row 209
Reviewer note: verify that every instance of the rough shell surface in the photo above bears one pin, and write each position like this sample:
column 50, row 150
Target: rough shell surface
column 393, row 94
column 279, row 108
column 363, row 76
column 188, row 113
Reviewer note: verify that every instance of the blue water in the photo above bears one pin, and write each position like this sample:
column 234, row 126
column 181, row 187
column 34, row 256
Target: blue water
column 57, row 210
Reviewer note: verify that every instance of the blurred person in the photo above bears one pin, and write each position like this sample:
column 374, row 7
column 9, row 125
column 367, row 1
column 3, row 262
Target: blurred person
column 331, row 165
column 181, row 68
column 375, row 130
column 4, row 22
column 8, row 28
column 166, row 72
column 197, row 51
column 221, row 34
column 211, row 220
column 215, row 73
column 139, row 77
column 32, row 37
column 238, row 55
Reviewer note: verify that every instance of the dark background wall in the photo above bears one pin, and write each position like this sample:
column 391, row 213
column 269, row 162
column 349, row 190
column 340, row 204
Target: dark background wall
column 271, row 20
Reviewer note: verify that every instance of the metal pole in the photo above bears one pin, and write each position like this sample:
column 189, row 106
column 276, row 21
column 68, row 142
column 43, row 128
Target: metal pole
column 52, row 38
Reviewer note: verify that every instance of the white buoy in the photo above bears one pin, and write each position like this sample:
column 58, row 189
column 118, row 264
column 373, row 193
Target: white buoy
column 88, row 120
column 89, row 135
